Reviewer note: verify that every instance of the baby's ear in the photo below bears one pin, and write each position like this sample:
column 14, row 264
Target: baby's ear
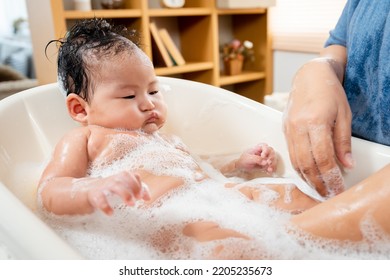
column 77, row 108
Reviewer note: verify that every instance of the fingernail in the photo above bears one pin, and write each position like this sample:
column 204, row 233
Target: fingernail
column 145, row 193
column 349, row 160
column 107, row 193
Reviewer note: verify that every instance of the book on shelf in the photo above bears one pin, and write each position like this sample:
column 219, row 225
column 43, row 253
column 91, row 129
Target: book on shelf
column 170, row 45
column 160, row 45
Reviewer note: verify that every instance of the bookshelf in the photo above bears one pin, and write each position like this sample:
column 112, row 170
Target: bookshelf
column 197, row 30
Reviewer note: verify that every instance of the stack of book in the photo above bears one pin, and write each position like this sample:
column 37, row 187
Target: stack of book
column 166, row 47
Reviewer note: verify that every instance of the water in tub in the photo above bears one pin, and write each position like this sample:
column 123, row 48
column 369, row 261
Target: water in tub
column 155, row 231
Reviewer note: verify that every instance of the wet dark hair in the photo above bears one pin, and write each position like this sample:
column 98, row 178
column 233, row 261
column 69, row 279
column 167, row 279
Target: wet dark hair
column 95, row 37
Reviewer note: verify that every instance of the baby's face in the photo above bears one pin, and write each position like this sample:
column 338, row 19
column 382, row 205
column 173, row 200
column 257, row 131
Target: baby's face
column 127, row 95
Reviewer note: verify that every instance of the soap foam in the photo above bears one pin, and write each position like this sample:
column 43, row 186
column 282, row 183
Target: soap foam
column 155, row 231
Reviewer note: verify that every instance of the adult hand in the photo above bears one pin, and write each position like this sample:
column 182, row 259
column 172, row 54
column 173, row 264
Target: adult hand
column 317, row 123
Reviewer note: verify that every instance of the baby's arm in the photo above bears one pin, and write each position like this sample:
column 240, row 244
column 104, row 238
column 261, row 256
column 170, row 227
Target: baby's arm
column 67, row 190
column 261, row 157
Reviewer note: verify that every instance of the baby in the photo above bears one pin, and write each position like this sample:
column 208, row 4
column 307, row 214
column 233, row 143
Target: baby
column 112, row 91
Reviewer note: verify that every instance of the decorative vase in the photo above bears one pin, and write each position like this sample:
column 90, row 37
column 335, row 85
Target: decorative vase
column 82, row 5
column 112, row 4
column 233, row 66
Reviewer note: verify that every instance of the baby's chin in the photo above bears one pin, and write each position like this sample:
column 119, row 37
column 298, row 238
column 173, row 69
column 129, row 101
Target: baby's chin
column 151, row 128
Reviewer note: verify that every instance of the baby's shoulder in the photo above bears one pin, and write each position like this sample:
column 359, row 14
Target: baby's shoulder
column 72, row 140
column 101, row 137
column 77, row 134
column 85, row 134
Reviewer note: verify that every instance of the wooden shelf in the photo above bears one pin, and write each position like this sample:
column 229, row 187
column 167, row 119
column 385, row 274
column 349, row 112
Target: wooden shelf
column 125, row 13
column 187, row 68
column 180, row 12
column 245, row 76
column 197, row 29
column 241, row 11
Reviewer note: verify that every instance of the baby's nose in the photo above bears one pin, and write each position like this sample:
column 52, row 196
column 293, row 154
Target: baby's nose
column 147, row 104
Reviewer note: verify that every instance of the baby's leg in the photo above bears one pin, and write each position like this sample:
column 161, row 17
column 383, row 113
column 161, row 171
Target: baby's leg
column 168, row 239
column 206, row 231
column 342, row 216
column 282, row 196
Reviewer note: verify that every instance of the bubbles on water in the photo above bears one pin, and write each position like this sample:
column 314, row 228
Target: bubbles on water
column 334, row 181
column 156, row 231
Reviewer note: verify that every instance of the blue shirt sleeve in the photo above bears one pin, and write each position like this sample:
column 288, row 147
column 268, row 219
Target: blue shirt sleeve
column 364, row 29
column 338, row 36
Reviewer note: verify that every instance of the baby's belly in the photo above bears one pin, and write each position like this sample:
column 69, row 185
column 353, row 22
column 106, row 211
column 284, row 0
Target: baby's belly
column 159, row 185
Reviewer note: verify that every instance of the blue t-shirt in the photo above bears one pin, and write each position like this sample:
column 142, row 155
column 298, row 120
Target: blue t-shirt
column 364, row 29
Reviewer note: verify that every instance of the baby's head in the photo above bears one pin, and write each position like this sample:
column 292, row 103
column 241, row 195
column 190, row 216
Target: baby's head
column 86, row 44
column 108, row 80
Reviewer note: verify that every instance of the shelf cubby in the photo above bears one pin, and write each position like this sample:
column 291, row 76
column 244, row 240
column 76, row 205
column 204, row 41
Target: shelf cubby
column 198, row 29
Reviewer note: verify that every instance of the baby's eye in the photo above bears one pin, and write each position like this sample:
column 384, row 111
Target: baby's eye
column 129, row 97
column 154, row 92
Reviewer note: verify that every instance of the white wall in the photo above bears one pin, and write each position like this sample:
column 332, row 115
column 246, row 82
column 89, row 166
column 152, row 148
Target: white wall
column 285, row 66
column 42, row 31
column 11, row 10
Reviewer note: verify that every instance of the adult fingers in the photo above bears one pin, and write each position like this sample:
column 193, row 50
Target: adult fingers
column 305, row 160
column 296, row 130
column 342, row 139
column 291, row 149
column 329, row 173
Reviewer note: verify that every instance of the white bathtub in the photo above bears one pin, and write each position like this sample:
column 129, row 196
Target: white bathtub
column 210, row 120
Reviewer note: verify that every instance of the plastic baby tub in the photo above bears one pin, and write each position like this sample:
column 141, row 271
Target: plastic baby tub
column 210, row 120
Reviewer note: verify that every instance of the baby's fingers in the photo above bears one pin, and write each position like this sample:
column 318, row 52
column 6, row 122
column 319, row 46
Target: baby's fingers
column 267, row 151
column 98, row 200
column 145, row 193
column 124, row 193
column 139, row 189
column 271, row 169
column 265, row 164
column 130, row 188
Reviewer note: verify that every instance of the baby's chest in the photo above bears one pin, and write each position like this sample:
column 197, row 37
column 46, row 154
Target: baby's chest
column 141, row 153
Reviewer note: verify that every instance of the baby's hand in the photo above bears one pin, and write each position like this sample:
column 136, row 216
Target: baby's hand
column 261, row 157
column 127, row 186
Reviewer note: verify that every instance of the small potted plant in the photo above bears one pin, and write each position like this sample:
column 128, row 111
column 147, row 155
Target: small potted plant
column 234, row 53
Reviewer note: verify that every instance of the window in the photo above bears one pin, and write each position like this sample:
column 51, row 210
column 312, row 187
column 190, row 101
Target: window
column 11, row 11
column 303, row 25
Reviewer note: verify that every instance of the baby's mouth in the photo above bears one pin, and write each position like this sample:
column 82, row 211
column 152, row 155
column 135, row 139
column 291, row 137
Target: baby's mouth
column 153, row 118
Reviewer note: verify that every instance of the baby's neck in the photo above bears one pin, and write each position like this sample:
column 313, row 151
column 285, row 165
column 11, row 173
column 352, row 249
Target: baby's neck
column 121, row 130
